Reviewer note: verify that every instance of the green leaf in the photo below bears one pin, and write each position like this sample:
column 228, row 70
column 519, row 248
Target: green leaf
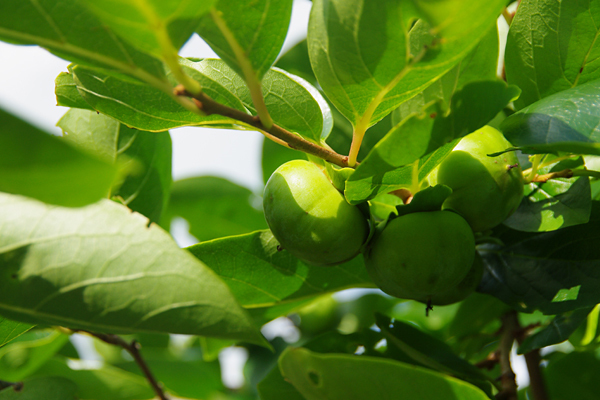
column 275, row 387
column 474, row 314
column 260, row 276
column 103, row 383
column 247, row 35
column 10, row 330
column 573, row 376
column 556, row 204
column 21, row 358
column 157, row 27
column 345, row 376
column 146, row 156
column 67, row 94
column 472, row 107
column 567, row 121
column 296, row 61
column 215, row 207
column 554, row 272
column 103, row 268
column 39, row 165
column 557, row 331
column 50, row 388
column 552, row 46
column 69, row 30
column 362, row 57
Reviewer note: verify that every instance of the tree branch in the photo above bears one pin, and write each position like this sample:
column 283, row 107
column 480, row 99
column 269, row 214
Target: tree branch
column 133, row 349
column 294, row 141
column 565, row 173
column 17, row 386
column 537, row 385
column 509, row 385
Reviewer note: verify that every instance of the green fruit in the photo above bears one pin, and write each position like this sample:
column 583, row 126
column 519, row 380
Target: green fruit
column 485, row 190
column 310, row 218
column 419, row 255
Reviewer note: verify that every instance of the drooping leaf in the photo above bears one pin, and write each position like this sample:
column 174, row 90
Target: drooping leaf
column 247, row 35
column 215, row 207
column 554, row 272
column 103, row 268
column 345, row 376
column 50, row 388
column 557, row 331
column 556, row 204
column 567, row 121
column 69, row 30
column 145, row 188
column 10, row 330
column 39, row 165
column 157, row 27
column 262, row 277
column 362, row 55
column 552, row 46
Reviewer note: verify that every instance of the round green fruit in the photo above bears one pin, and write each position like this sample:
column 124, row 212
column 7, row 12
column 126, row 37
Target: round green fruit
column 310, row 218
column 485, row 190
column 419, row 255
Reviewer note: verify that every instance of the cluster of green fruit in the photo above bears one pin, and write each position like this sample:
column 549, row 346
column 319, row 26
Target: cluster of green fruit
column 426, row 256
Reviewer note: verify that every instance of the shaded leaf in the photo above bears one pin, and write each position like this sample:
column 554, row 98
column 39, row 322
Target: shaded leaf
column 275, row 387
column 39, row 165
column 103, row 268
column 215, row 207
column 248, row 44
column 567, row 121
column 552, row 46
column 573, row 376
column 50, row 388
column 10, row 330
column 344, row 376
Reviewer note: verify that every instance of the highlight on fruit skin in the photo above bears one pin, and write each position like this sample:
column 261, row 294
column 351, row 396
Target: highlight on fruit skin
column 485, row 190
column 420, row 255
column 310, row 218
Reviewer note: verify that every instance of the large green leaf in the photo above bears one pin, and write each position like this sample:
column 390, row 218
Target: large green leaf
column 70, row 31
column 261, row 277
column 247, row 35
column 10, row 330
column 39, row 165
column 361, row 51
column 553, row 272
column 158, row 27
column 344, row 376
column 552, row 46
column 50, row 388
column 275, row 387
column 103, row 268
column 471, row 107
column 215, row 207
column 567, row 121
column 146, row 187
column 573, row 376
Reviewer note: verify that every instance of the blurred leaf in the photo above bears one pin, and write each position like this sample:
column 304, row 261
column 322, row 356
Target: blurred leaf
column 146, row 187
column 472, row 107
column 103, row 383
column 69, row 30
column 153, row 26
column 573, row 377
column 21, row 358
column 50, row 388
column 475, row 313
column 567, row 121
column 345, row 376
column 296, row 61
column 556, row 204
column 554, row 272
column 249, row 35
column 552, row 46
column 10, row 330
column 275, row 387
column 364, row 61
column 260, row 276
column 274, row 155
column 559, row 330
column 67, row 94
column 215, row 207
column 39, row 165
column 103, row 268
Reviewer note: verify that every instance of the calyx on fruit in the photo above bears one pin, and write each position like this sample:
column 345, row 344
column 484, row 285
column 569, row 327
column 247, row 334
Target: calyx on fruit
column 422, row 254
column 485, row 190
column 310, row 218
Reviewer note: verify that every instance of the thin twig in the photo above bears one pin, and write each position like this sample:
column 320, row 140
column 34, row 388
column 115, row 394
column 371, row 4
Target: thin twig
column 133, row 349
column 294, row 141
column 17, row 386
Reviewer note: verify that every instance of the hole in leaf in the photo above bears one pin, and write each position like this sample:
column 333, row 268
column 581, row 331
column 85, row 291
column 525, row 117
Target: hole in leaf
column 314, row 378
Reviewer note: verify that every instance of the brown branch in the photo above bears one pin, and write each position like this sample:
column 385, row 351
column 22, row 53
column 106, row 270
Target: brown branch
column 566, row 173
column 133, row 349
column 17, row 386
column 294, row 141
column 490, row 361
column 509, row 385
column 537, row 385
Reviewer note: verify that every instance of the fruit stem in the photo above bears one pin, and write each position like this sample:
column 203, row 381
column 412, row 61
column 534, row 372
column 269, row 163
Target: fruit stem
column 535, row 164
